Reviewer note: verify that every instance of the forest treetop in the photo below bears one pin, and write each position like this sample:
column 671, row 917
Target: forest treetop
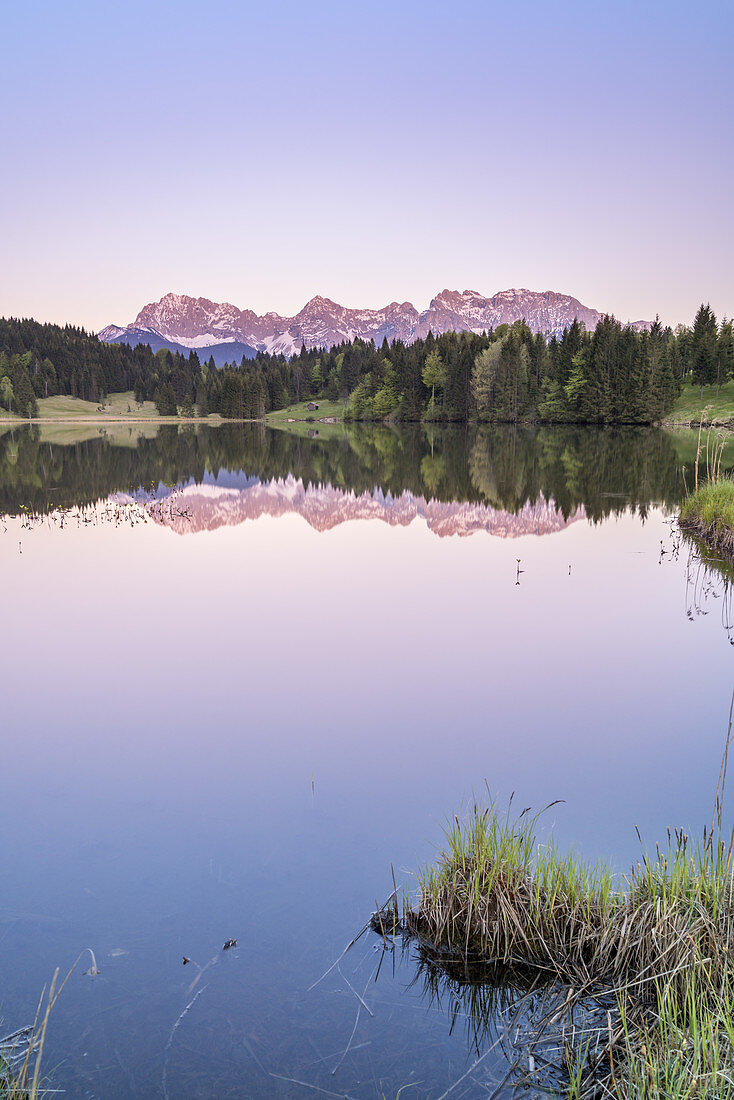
column 614, row 374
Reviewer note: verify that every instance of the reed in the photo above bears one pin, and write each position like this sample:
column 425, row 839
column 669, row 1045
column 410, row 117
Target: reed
column 21, row 1052
column 708, row 512
column 657, row 941
column 496, row 893
column 685, row 1049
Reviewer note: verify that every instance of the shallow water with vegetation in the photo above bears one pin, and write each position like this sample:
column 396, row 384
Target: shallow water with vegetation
column 248, row 674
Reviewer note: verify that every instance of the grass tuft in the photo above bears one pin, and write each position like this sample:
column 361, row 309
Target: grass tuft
column 708, row 513
column 658, row 942
column 21, row 1052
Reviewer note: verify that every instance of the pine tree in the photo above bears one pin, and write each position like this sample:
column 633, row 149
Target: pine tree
column 166, row 400
column 725, row 351
column 703, row 347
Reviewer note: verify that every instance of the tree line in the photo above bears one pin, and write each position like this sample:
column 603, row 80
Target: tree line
column 613, row 375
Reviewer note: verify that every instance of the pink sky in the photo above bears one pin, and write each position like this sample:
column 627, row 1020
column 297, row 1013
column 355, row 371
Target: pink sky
column 261, row 154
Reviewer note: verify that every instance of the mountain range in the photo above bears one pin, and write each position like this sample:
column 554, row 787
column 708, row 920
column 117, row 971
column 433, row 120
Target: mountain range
column 226, row 333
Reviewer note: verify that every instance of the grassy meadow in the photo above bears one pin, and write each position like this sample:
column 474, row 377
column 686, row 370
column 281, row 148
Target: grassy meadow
column 715, row 407
column 300, row 411
column 116, row 407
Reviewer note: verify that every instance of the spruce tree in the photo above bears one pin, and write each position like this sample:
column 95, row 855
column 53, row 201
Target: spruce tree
column 725, row 351
column 703, row 347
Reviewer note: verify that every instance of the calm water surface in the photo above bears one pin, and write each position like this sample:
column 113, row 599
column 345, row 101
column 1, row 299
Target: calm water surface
column 245, row 673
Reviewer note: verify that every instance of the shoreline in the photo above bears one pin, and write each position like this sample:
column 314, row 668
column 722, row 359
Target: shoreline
column 694, row 425
column 272, row 419
column 214, row 421
column 708, row 515
column 717, row 539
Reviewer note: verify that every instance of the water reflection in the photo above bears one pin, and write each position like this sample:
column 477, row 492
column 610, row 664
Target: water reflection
column 524, row 1032
column 601, row 472
column 235, row 734
column 207, row 507
column 709, row 581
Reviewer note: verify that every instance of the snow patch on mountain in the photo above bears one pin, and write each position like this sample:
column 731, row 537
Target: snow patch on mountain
column 206, row 340
column 199, row 323
column 111, row 333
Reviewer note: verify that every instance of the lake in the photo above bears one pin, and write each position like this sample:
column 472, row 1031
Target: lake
column 248, row 673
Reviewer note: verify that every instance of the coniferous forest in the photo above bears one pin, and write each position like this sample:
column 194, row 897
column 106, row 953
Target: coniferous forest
column 614, row 375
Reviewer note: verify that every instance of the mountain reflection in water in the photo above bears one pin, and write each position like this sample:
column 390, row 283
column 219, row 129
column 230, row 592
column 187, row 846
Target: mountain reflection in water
column 397, row 474
column 207, row 507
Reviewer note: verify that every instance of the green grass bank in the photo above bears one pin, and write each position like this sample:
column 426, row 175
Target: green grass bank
column 708, row 513
column 654, row 947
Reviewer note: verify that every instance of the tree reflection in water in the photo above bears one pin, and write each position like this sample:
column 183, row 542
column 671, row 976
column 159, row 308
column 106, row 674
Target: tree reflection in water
column 603, row 471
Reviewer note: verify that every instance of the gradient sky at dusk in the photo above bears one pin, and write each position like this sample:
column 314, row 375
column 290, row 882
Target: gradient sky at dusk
column 261, row 153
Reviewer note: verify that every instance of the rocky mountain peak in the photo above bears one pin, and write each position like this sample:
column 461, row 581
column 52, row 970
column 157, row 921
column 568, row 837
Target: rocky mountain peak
column 178, row 320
